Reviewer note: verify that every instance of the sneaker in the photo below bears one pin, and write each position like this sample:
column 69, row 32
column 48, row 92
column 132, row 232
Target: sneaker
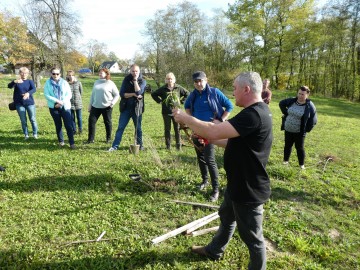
column 203, row 185
column 2, row 169
column 26, row 137
column 73, row 147
column 286, row 163
column 89, row 141
column 36, row 136
column 302, row 167
column 111, row 149
column 214, row 196
column 61, row 143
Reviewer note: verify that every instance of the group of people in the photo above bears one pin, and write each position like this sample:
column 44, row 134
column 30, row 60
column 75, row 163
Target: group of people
column 247, row 137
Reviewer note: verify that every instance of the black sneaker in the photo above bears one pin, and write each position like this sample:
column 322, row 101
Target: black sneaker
column 2, row 169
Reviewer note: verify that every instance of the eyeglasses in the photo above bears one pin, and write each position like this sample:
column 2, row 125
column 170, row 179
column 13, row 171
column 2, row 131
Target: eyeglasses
column 197, row 81
column 55, row 73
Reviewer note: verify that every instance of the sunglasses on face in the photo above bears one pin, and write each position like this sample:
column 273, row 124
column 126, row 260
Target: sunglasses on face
column 55, row 73
column 197, row 81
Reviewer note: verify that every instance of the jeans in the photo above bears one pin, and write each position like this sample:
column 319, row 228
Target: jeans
column 31, row 111
column 207, row 163
column 167, row 127
column 60, row 115
column 299, row 140
column 123, row 121
column 94, row 116
column 78, row 115
column 248, row 219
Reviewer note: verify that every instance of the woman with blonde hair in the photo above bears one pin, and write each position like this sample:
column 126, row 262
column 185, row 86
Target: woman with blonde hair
column 24, row 101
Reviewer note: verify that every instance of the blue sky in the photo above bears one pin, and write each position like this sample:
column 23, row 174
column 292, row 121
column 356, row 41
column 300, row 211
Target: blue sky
column 116, row 23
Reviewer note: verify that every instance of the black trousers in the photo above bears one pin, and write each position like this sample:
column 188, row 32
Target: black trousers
column 299, row 140
column 167, row 128
column 94, row 116
column 208, row 165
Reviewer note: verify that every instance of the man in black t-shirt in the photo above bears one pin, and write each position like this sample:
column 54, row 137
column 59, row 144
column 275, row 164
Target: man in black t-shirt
column 247, row 139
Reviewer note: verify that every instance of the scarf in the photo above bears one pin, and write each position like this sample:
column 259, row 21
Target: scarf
column 56, row 88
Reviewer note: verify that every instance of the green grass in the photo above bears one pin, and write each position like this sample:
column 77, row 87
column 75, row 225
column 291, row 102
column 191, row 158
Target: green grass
column 50, row 196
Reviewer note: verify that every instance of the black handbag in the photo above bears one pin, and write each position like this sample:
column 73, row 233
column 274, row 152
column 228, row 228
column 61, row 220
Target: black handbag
column 12, row 106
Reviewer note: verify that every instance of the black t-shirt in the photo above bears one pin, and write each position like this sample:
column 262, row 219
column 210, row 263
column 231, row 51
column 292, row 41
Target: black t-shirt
column 246, row 156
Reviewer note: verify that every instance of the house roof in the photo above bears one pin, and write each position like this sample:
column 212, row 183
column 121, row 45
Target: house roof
column 108, row 64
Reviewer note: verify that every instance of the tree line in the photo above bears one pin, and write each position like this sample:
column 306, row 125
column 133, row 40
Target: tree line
column 291, row 42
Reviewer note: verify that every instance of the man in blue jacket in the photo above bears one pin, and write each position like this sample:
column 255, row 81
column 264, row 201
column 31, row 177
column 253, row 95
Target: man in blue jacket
column 207, row 104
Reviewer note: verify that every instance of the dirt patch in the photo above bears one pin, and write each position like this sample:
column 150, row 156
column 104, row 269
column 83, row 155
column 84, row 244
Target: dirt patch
column 334, row 234
column 270, row 246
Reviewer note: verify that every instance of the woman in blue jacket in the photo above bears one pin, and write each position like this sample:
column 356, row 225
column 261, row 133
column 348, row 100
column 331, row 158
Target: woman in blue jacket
column 299, row 117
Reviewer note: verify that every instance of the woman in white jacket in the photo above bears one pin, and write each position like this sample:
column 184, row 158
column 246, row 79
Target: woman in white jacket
column 58, row 94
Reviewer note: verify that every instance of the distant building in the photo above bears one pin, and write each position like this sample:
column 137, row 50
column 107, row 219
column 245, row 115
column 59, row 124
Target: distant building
column 112, row 66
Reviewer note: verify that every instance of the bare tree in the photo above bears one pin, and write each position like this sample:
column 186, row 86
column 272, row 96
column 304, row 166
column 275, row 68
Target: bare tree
column 55, row 24
column 96, row 53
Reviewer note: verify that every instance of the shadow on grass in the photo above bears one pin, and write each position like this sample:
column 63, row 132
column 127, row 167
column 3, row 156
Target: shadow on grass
column 16, row 143
column 13, row 259
column 318, row 198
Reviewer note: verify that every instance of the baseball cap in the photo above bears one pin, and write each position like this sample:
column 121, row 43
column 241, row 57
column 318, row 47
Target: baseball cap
column 199, row 75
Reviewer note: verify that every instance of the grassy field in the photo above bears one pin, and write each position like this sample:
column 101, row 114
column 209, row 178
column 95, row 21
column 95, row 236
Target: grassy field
column 51, row 196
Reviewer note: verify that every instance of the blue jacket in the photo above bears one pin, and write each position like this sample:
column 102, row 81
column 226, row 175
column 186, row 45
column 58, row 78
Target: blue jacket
column 216, row 99
column 308, row 120
column 65, row 95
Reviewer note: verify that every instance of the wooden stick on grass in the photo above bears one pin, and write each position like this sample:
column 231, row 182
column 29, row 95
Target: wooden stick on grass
column 88, row 241
column 200, row 224
column 197, row 204
column 181, row 229
column 204, row 231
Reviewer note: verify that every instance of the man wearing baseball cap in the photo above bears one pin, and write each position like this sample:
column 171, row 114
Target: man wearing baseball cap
column 207, row 104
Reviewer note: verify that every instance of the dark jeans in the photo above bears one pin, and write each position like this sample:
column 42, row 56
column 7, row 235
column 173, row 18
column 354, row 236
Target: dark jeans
column 76, row 116
column 299, row 140
column 60, row 115
column 248, row 219
column 167, row 128
column 94, row 116
column 207, row 164
column 124, row 119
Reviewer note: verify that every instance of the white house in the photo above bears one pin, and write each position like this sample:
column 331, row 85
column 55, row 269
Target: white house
column 112, row 66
